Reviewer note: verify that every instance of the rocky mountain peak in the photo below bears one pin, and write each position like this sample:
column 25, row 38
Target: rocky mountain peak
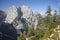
column 11, row 14
column 27, row 12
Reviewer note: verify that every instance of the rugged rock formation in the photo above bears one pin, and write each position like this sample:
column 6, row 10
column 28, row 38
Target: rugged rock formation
column 21, row 17
column 27, row 13
column 11, row 14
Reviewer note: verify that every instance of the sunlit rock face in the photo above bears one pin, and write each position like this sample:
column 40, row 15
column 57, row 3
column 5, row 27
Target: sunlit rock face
column 27, row 13
column 11, row 14
column 31, row 18
column 35, row 18
column 25, row 17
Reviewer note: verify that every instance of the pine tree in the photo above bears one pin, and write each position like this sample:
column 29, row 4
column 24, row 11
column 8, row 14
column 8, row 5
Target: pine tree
column 49, row 10
column 55, row 20
column 55, row 16
column 22, row 36
column 48, row 19
column 30, row 32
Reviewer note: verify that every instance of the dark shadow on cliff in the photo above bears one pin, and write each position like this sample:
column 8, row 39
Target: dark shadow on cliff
column 23, row 20
column 7, row 32
column 2, row 16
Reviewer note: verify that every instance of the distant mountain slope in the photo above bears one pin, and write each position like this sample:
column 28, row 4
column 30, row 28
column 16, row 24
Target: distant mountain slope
column 21, row 17
column 2, row 15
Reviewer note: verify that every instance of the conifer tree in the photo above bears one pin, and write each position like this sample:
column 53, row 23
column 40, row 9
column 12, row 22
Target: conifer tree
column 48, row 19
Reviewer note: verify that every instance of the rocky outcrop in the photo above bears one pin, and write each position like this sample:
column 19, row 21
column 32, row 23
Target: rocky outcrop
column 27, row 12
column 11, row 14
column 23, row 14
column 35, row 18
column 21, row 17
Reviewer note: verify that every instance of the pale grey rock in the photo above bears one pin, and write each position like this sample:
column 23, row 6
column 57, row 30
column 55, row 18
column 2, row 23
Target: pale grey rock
column 58, row 29
column 27, row 12
column 25, row 17
column 11, row 14
column 35, row 19
column 31, row 18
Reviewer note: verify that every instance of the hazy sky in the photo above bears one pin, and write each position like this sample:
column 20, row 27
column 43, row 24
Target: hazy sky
column 35, row 5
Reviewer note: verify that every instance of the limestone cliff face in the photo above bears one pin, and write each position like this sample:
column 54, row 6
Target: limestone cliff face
column 21, row 17
column 27, row 12
column 11, row 14
column 35, row 18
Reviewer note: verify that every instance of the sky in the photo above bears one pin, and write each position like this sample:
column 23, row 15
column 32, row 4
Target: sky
column 35, row 5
